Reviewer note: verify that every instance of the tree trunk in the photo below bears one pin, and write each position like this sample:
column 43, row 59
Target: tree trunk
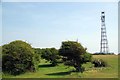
column 79, row 69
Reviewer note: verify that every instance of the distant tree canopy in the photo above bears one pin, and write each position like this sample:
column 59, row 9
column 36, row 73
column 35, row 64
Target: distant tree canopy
column 18, row 57
column 100, row 53
column 74, row 54
column 38, row 51
column 50, row 54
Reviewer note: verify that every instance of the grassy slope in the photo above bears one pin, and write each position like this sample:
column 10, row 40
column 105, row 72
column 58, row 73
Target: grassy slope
column 111, row 71
column 61, row 71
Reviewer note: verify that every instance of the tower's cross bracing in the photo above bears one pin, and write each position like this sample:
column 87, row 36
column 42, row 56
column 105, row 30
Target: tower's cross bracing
column 104, row 41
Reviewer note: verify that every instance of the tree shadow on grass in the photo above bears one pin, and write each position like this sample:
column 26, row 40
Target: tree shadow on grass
column 60, row 73
column 45, row 65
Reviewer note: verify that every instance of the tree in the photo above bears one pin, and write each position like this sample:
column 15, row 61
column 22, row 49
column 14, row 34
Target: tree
column 18, row 57
column 38, row 51
column 74, row 54
column 50, row 54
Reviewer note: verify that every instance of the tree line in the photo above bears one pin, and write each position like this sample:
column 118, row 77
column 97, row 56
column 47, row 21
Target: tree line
column 19, row 57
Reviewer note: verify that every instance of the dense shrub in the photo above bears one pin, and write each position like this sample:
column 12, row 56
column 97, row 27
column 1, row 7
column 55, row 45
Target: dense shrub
column 18, row 57
column 99, row 63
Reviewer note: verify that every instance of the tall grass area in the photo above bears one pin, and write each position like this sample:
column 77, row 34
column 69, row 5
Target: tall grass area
column 61, row 71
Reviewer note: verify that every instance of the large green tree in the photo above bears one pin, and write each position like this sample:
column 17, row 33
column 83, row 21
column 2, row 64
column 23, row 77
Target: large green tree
column 18, row 57
column 74, row 54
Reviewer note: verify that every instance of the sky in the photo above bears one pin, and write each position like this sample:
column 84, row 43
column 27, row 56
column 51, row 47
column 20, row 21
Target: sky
column 47, row 24
column 59, row 0
column 118, row 27
column 0, row 23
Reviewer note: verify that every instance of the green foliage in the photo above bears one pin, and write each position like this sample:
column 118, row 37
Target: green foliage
column 18, row 57
column 38, row 51
column 87, row 57
column 74, row 54
column 50, row 54
column 37, row 56
column 99, row 63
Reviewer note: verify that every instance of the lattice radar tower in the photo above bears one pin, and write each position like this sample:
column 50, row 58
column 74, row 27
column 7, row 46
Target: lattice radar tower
column 104, row 41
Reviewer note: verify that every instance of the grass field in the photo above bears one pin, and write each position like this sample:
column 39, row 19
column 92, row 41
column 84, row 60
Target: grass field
column 61, row 71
